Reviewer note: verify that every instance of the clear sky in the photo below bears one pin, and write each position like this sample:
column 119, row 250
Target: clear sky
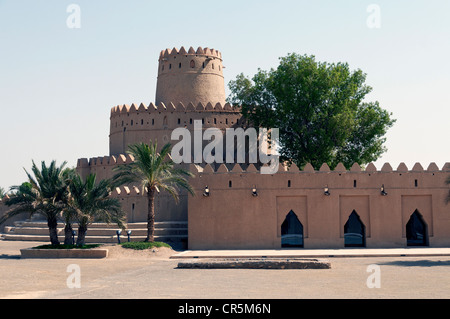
column 58, row 84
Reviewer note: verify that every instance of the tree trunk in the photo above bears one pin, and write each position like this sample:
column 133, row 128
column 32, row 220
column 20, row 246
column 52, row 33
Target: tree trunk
column 68, row 234
column 53, row 231
column 82, row 229
column 151, row 216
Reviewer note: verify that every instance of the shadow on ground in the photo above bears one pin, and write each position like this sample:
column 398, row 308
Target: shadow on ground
column 417, row 263
column 5, row 256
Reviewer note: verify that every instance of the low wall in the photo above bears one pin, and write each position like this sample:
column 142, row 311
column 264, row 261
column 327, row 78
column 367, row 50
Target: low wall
column 232, row 218
column 63, row 253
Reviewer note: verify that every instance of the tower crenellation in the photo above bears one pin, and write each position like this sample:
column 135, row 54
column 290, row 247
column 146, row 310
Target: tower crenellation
column 134, row 123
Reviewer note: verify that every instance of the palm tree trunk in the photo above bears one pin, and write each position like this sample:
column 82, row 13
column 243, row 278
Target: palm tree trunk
column 151, row 216
column 52, row 224
column 82, row 229
column 68, row 234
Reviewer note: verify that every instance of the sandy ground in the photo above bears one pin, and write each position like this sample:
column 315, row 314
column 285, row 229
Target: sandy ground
column 37, row 278
column 127, row 274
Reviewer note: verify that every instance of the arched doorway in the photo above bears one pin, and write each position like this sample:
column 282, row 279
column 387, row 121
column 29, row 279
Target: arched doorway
column 354, row 231
column 416, row 230
column 291, row 231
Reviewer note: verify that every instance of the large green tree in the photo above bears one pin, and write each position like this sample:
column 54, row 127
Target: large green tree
column 155, row 172
column 319, row 109
column 45, row 193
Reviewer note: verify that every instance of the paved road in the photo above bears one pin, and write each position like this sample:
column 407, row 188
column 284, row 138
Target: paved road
column 421, row 277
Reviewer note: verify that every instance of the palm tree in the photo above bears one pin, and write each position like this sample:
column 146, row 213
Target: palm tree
column 69, row 175
column 44, row 194
column 154, row 172
column 89, row 202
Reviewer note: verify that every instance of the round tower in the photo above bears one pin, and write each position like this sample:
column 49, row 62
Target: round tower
column 193, row 76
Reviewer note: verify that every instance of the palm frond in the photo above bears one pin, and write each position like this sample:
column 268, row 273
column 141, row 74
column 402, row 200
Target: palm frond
column 91, row 201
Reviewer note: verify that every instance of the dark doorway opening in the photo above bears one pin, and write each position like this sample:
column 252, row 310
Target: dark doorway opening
column 416, row 230
column 354, row 231
column 291, row 231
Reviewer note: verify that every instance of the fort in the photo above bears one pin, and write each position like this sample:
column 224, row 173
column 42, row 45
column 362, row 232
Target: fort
column 307, row 207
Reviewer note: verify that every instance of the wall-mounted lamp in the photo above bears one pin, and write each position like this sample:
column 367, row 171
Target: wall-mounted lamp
column 206, row 192
column 383, row 192
column 118, row 235
column 254, row 192
column 326, row 191
column 128, row 234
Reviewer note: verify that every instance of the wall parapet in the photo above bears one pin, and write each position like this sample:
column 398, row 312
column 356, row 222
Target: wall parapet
column 171, row 107
column 216, row 168
column 308, row 168
column 105, row 160
column 167, row 53
column 126, row 190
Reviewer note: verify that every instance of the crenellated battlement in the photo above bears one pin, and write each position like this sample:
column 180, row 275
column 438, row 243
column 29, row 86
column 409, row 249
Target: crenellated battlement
column 171, row 107
column 252, row 168
column 105, row 161
column 308, row 168
column 126, row 190
column 168, row 53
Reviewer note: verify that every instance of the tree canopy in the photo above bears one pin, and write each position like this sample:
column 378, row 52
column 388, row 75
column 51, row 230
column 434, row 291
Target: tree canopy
column 90, row 201
column 45, row 193
column 319, row 109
